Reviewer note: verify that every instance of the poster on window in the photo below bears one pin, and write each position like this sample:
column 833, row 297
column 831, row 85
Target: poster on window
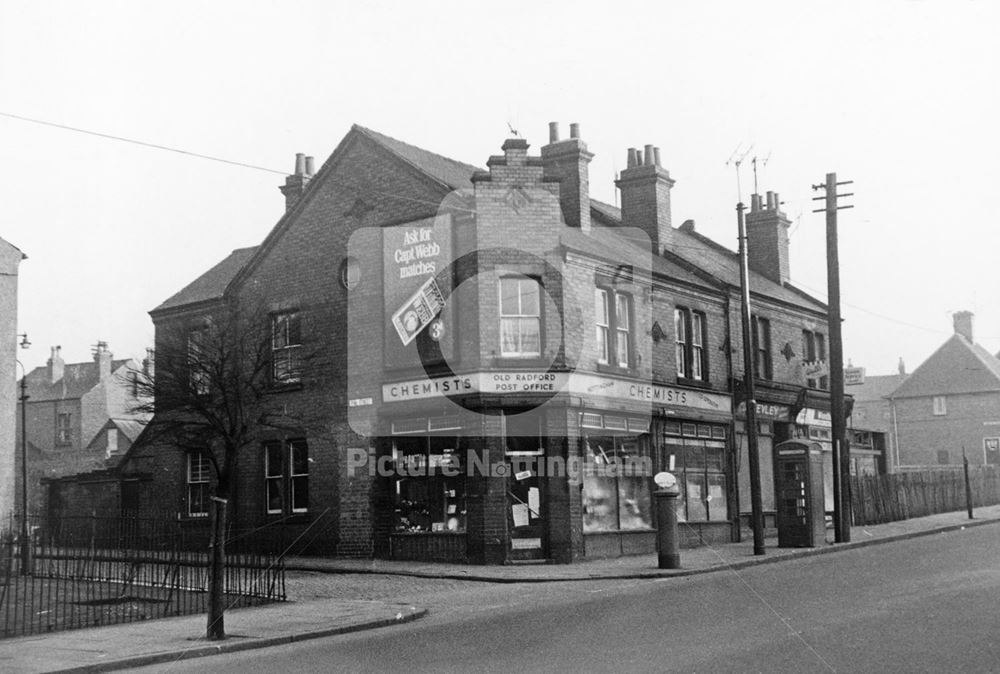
column 417, row 317
column 992, row 449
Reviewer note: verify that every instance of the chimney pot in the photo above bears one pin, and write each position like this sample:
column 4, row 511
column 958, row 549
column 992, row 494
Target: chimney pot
column 902, row 366
column 649, row 155
column 300, row 164
column 553, row 132
column 310, row 166
column 770, row 200
column 656, row 155
column 574, row 130
column 962, row 321
column 632, row 162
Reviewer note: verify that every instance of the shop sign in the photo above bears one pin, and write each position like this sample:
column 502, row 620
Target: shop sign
column 854, row 376
column 816, row 368
column 359, row 402
column 525, row 382
column 811, row 417
column 768, row 411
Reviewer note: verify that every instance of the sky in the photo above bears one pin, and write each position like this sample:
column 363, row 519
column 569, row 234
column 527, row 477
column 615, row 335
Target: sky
column 900, row 97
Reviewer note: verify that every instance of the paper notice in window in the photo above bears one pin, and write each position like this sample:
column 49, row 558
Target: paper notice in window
column 533, row 500
column 520, row 514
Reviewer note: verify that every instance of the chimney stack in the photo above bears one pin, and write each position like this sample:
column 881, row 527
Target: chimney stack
column 567, row 161
column 645, row 196
column 962, row 321
column 767, row 238
column 902, row 366
column 55, row 365
column 149, row 362
column 295, row 184
column 103, row 359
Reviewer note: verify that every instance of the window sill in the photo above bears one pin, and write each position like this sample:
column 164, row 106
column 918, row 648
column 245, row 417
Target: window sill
column 599, row 532
column 606, row 368
column 428, row 533
column 281, row 388
column 693, row 383
column 521, row 361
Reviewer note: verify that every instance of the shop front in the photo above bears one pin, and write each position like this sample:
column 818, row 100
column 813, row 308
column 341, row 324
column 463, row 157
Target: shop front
column 507, row 473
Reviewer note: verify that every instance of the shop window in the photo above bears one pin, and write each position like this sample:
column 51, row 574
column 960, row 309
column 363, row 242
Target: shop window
column 520, row 317
column 198, row 471
column 286, row 348
column 430, row 484
column 940, row 406
column 616, row 484
column 700, row 467
column 761, row 336
column 286, row 477
column 690, row 352
column 613, row 318
column 64, row 429
column 814, row 352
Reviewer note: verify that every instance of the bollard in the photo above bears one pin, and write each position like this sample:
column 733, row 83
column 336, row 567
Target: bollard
column 666, row 518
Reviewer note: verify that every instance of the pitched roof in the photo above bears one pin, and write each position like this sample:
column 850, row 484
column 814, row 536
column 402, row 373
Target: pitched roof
column 876, row 387
column 719, row 261
column 212, row 284
column 958, row 366
column 454, row 174
column 77, row 379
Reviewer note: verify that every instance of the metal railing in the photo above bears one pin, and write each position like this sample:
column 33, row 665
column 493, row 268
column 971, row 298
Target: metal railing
column 86, row 571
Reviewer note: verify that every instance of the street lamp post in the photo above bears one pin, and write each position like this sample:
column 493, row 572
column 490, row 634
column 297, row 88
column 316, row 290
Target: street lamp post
column 25, row 547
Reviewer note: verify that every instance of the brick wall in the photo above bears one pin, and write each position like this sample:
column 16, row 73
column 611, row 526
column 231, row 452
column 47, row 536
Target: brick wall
column 922, row 434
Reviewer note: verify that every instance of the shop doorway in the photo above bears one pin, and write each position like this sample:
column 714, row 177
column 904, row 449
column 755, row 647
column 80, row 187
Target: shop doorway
column 526, row 517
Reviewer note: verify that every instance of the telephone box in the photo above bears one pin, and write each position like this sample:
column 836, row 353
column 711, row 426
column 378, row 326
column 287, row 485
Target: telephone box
column 799, row 486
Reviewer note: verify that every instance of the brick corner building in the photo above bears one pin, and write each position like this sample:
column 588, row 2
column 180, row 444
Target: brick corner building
column 505, row 361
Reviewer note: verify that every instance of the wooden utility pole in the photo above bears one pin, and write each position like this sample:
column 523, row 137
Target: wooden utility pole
column 753, row 455
column 841, row 449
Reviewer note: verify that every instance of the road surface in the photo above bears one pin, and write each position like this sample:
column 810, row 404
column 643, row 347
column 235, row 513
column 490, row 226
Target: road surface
column 930, row 604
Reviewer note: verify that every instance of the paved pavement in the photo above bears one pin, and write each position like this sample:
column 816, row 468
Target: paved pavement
column 163, row 641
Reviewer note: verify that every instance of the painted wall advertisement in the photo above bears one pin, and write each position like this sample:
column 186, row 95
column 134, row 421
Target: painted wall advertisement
column 413, row 254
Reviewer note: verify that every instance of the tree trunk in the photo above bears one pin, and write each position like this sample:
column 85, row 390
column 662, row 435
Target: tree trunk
column 217, row 578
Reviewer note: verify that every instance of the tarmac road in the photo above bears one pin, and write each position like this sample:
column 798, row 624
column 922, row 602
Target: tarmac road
column 929, row 604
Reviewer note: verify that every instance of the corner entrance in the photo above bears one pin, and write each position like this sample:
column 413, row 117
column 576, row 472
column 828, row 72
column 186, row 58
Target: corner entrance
column 526, row 510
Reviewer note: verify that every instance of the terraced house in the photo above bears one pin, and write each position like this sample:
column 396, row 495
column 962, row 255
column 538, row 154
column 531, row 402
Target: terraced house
column 504, row 361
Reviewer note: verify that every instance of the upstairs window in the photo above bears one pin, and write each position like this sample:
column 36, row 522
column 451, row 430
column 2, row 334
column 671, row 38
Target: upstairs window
column 603, row 323
column 690, row 353
column 198, row 471
column 761, row 334
column 286, row 348
column 814, row 351
column 613, row 317
column 64, row 429
column 940, row 406
column 520, row 317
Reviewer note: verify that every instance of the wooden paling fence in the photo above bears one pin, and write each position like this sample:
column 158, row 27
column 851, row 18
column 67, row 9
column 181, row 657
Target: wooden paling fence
column 876, row 499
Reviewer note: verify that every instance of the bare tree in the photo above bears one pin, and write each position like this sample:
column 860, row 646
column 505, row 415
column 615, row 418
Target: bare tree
column 210, row 391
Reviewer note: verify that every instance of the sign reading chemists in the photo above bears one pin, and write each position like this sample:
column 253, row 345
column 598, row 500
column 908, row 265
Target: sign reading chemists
column 552, row 382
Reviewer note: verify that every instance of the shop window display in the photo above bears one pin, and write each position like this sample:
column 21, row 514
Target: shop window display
column 699, row 464
column 616, row 493
column 430, row 484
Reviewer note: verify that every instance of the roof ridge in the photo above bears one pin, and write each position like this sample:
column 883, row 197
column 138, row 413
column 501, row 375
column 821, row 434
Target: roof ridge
column 381, row 139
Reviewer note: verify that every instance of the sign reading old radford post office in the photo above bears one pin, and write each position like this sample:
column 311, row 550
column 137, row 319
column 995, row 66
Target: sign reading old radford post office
column 413, row 254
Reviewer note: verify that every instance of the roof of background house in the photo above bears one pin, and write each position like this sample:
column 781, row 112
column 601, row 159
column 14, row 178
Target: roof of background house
column 875, row 388
column 212, row 284
column 130, row 428
column 958, row 366
column 77, row 379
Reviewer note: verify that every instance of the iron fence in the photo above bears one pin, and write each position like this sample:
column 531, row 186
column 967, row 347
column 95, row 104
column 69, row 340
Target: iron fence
column 84, row 571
